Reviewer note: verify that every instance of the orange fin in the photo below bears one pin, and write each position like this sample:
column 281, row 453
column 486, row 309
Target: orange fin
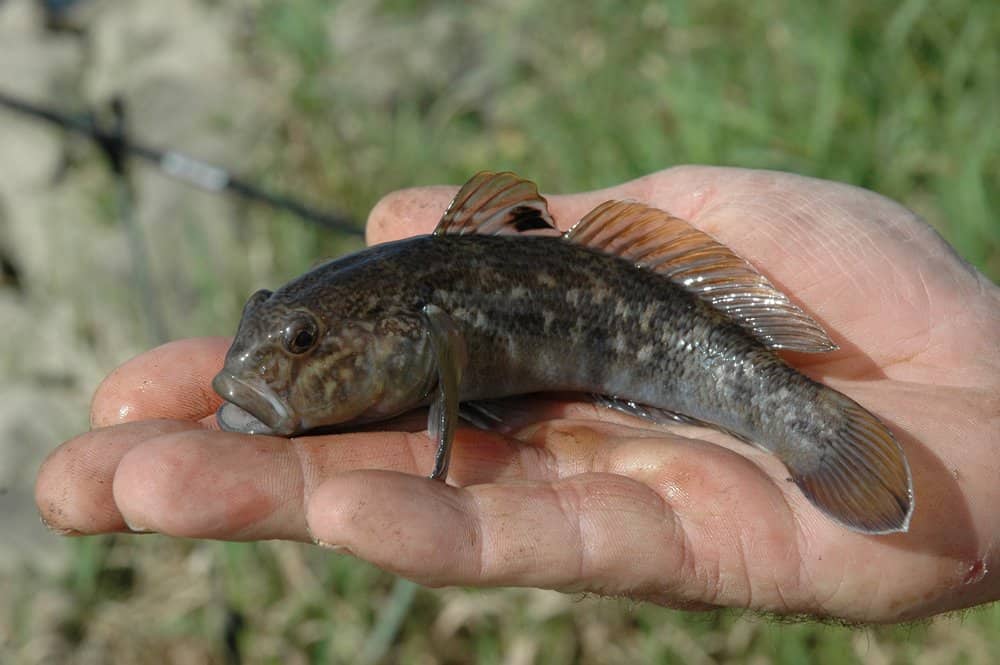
column 498, row 203
column 861, row 478
column 692, row 259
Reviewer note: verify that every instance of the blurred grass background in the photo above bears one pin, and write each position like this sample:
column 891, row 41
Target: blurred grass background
column 353, row 99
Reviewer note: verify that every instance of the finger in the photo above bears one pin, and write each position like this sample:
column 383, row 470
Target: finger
column 559, row 534
column 407, row 212
column 198, row 483
column 73, row 491
column 205, row 484
column 648, row 516
column 592, row 532
column 171, row 381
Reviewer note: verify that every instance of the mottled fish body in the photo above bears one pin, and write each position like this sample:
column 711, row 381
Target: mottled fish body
column 631, row 304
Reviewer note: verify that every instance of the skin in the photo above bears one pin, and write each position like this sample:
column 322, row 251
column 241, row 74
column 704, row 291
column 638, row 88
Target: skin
column 586, row 499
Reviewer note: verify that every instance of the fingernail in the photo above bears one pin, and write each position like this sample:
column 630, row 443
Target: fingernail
column 339, row 549
column 135, row 528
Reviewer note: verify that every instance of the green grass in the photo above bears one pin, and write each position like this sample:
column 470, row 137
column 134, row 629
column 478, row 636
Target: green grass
column 300, row 604
column 898, row 98
column 901, row 98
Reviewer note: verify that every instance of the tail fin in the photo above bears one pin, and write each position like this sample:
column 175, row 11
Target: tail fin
column 862, row 478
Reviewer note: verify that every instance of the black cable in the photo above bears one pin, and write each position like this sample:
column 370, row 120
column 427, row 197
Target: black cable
column 178, row 165
column 115, row 148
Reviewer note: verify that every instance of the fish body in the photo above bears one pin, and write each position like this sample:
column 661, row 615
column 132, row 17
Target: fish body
column 464, row 316
column 536, row 315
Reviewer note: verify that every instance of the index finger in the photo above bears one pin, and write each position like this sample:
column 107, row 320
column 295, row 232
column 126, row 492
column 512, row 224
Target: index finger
column 171, row 381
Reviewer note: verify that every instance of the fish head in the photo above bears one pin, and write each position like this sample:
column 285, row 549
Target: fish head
column 293, row 368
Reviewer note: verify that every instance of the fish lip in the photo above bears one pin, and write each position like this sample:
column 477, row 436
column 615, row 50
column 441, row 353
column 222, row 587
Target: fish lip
column 256, row 399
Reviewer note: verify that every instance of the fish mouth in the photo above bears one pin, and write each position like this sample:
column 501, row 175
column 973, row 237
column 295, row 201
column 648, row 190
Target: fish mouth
column 251, row 407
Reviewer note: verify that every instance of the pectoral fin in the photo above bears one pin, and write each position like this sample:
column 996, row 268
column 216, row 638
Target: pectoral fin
column 651, row 413
column 450, row 357
column 483, row 414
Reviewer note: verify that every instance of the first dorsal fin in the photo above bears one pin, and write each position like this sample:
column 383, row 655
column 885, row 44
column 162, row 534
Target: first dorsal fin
column 694, row 260
column 498, row 203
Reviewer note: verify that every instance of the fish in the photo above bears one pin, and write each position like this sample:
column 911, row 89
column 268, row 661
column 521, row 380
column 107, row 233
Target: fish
column 632, row 306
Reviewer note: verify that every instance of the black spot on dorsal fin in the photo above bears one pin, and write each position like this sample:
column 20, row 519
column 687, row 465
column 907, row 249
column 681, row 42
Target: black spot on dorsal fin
column 527, row 218
column 497, row 203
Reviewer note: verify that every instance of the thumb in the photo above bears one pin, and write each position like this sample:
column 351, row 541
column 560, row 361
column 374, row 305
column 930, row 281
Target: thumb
column 407, row 212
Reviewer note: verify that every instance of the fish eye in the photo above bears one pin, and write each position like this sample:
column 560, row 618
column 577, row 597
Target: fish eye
column 300, row 336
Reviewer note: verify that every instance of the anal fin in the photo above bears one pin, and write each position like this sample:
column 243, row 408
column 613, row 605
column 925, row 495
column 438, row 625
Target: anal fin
column 490, row 415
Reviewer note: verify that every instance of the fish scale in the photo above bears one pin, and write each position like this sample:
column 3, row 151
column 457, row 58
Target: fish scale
column 511, row 341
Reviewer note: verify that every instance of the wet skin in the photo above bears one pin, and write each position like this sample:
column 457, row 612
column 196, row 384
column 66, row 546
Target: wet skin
column 586, row 499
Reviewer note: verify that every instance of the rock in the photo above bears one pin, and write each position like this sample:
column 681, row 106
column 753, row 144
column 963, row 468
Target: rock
column 76, row 313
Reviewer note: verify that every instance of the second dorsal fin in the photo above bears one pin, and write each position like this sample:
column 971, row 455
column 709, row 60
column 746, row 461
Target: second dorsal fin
column 498, row 203
column 692, row 259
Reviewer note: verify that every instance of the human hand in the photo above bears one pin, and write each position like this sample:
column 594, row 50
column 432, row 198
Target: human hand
column 587, row 499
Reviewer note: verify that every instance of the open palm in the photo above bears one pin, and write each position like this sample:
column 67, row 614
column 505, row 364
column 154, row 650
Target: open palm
column 582, row 498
